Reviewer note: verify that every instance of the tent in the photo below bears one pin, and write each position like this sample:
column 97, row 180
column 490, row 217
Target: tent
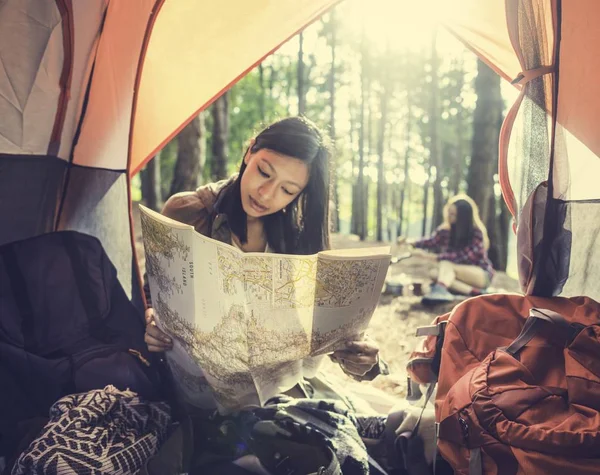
column 89, row 91
column 549, row 151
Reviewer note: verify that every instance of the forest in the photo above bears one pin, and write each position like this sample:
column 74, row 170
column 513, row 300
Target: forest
column 413, row 116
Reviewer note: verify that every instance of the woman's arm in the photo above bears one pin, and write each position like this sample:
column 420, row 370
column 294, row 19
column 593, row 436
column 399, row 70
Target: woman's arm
column 433, row 243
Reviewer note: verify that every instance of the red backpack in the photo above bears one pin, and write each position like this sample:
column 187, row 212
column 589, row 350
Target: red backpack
column 518, row 386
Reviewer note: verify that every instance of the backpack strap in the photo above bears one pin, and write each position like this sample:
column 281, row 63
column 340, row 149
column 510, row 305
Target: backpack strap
column 428, row 393
column 81, row 276
column 537, row 318
column 88, row 297
column 20, row 292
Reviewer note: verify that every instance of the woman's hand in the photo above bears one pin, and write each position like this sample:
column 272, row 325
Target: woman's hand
column 156, row 340
column 358, row 358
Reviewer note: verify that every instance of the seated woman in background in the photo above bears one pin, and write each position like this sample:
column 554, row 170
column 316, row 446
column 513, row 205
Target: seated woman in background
column 459, row 245
column 278, row 203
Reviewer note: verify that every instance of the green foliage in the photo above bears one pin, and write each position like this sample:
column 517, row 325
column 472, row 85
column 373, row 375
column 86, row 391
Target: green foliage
column 245, row 115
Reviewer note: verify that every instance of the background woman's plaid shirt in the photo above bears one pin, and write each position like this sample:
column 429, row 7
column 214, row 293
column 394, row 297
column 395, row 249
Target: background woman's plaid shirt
column 473, row 254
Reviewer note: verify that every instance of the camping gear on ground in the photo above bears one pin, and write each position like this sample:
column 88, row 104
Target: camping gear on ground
column 104, row 431
column 289, row 436
column 515, row 392
column 402, row 286
column 301, row 436
column 417, row 289
column 394, row 285
column 438, row 295
column 67, row 327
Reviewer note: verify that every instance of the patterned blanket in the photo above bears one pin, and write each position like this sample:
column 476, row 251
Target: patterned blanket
column 101, row 432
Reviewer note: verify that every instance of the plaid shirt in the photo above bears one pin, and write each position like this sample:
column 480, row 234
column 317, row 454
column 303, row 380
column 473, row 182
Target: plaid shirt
column 473, row 254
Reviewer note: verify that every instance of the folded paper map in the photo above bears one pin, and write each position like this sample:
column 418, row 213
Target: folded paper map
column 243, row 323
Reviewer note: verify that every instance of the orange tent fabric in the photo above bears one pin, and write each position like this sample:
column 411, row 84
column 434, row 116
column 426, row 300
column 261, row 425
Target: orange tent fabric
column 175, row 82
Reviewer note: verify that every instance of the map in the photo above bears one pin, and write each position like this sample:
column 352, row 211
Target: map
column 295, row 281
column 242, row 324
column 344, row 283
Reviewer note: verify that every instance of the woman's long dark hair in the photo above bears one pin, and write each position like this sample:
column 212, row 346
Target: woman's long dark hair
column 461, row 231
column 467, row 221
column 302, row 227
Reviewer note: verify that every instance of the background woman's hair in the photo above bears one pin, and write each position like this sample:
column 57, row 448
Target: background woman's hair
column 467, row 221
column 302, row 227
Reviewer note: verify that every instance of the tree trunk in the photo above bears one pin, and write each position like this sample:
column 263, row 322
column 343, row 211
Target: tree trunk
column 190, row 156
column 335, row 218
column 354, row 208
column 458, row 161
column 360, row 184
column 425, row 206
column 150, row 177
column 369, row 151
column 459, row 156
column 385, row 93
column 301, row 77
column 406, row 183
column 369, row 129
column 505, row 218
column 261, row 98
column 202, row 146
column 487, row 118
column 220, row 137
column 272, row 78
column 449, row 156
column 498, row 225
column 492, row 223
column 408, row 209
column 366, row 214
column 289, row 75
column 355, row 218
column 434, row 139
